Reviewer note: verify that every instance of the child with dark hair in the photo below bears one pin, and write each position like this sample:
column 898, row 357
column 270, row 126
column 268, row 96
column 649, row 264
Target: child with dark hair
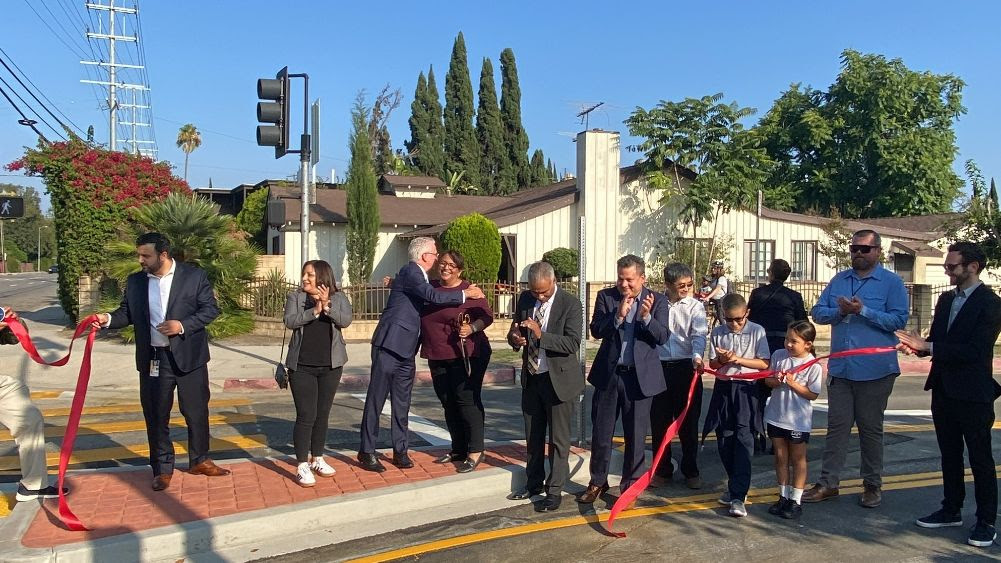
column 789, row 414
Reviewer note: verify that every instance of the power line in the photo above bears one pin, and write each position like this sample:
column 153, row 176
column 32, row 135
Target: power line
column 27, row 105
column 59, row 121
column 24, row 118
column 59, row 37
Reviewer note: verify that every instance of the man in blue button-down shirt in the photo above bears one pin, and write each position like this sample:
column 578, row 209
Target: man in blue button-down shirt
column 864, row 306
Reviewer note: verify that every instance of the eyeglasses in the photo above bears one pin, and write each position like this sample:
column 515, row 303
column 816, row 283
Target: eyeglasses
column 435, row 254
column 684, row 285
column 734, row 319
column 950, row 267
column 861, row 248
column 449, row 265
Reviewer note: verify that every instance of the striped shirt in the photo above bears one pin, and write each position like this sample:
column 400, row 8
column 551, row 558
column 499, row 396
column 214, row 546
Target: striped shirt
column 688, row 329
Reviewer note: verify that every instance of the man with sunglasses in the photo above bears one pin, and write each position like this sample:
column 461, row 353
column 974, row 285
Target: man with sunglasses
column 864, row 306
column 965, row 327
column 394, row 347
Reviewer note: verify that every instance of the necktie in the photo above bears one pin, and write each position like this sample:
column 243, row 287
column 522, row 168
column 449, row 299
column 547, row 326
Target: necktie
column 533, row 344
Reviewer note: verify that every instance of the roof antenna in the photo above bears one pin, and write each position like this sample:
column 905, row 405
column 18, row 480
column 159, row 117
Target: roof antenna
column 583, row 115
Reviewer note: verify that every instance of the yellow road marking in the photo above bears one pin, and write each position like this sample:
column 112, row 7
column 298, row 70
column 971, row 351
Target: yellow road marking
column 685, row 504
column 133, row 407
column 35, row 395
column 6, row 504
column 896, row 428
column 92, row 428
column 250, row 442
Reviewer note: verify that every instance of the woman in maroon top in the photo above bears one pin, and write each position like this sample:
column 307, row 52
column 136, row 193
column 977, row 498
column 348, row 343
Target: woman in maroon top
column 458, row 378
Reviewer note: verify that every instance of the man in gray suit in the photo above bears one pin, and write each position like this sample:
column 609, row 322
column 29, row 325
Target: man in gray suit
column 548, row 326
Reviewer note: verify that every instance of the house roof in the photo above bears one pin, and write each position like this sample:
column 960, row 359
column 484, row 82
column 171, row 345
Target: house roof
column 851, row 224
column 937, row 222
column 331, row 207
column 915, row 248
column 416, row 181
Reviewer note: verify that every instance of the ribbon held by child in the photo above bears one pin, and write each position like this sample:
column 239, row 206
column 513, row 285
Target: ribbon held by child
column 66, row 515
column 641, row 484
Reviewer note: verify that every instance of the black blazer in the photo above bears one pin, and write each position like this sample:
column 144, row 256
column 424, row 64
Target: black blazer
column 963, row 356
column 560, row 340
column 649, row 373
column 191, row 302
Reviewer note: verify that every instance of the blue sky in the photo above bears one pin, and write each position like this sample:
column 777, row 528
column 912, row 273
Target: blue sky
column 204, row 57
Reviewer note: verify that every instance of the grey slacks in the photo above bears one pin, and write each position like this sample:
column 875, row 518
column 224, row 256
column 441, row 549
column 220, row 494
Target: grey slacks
column 855, row 403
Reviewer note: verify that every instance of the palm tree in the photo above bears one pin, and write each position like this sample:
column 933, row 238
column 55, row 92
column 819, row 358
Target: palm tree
column 188, row 139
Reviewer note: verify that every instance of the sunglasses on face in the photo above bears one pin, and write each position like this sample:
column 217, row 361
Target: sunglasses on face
column 950, row 267
column 734, row 319
column 861, row 248
column 684, row 285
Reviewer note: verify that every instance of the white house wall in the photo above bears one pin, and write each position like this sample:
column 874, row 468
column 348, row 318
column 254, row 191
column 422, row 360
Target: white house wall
column 539, row 235
column 329, row 242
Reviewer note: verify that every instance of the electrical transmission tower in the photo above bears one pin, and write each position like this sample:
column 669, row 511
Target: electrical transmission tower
column 134, row 132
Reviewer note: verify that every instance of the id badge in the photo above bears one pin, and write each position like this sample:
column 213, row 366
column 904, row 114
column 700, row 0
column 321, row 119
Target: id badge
column 154, row 368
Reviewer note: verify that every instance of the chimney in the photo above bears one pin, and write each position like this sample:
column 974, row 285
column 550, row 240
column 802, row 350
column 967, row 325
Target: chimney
column 598, row 182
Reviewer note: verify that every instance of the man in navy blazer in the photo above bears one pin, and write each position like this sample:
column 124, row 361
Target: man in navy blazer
column 170, row 303
column 964, row 328
column 394, row 346
column 631, row 322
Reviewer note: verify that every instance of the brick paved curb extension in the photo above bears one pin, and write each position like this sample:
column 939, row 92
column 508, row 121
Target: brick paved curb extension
column 290, row 527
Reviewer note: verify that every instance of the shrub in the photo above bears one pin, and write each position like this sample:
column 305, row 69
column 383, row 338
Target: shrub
column 479, row 242
column 564, row 262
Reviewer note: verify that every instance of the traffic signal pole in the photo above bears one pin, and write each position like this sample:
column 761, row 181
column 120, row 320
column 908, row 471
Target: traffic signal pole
column 304, row 148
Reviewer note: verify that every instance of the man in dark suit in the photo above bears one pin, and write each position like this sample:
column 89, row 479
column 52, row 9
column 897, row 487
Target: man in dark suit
column 631, row 322
column 394, row 346
column 548, row 326
column 965, row 327
column 170, row 303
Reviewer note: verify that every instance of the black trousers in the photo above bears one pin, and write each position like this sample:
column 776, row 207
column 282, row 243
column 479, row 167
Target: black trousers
column 543, row 409
column 392, row 376
column 461, row 400
column 313, row 389
column 607, row 405
column 157, row 397
column 667, row 407
column 955, row 422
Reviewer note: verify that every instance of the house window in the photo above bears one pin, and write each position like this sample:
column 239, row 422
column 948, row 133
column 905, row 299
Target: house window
column 756, row 263
column 804, row 260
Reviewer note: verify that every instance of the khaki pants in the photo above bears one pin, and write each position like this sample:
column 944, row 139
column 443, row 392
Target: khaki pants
column 25, row 422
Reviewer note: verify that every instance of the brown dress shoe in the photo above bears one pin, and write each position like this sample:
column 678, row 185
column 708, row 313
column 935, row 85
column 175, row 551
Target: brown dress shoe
column 872, row 496
column 162, row 481
column 592, row 493
column 818, row 493
column 209, row 469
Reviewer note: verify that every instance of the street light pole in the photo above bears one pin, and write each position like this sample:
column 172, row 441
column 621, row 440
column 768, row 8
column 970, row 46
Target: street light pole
column 38, row 268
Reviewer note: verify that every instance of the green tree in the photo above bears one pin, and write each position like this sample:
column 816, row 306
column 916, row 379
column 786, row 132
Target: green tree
column 90, row 190
column 462, row 152
column 879, row 142
column 564, row 262
column 980, row 222
column 378, row 131
column 514, row 132
column 201, row 236
column 479, row 242
column 552, row 171
column 420, row 125
column 188, row 139
column 541, row 172
column 496, row 175
column 976, row 181
column 432, row 154
column 26, row 232
column 362, row 199
column 250, row 219
column 707, row 137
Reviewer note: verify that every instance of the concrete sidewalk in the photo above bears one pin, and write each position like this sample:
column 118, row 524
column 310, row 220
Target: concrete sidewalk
column 259, row 510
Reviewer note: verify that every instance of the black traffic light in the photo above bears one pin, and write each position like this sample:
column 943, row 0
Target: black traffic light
column 274, row 111
column 11, row 207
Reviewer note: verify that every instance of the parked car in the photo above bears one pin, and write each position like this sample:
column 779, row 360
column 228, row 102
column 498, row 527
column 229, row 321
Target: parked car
column 54, row 269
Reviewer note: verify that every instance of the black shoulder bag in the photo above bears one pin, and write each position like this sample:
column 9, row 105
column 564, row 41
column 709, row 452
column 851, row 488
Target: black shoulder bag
column 281, row 374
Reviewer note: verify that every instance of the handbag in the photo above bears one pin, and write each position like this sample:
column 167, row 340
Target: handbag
column 281, row 373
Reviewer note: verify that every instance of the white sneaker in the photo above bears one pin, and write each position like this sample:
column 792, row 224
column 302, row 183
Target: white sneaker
column 737, row 509
column 724, row 499
column 321, row 468
column 305, row 475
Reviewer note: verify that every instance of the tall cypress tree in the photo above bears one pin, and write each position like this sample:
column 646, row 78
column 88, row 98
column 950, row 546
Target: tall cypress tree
column 433, row 155
column 540, row 173
column 419, row 123
column 362, row 199
column 496, row 177
column 552, row 171
column 514, row 132
column 462, row 152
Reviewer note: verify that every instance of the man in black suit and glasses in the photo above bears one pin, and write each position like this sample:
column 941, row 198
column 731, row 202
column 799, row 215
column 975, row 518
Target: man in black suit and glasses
column 170, row 303
column 964, row 329
column 548, row 326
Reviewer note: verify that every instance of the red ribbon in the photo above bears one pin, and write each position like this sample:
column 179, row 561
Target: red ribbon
column 641, row 484
column 66, row 451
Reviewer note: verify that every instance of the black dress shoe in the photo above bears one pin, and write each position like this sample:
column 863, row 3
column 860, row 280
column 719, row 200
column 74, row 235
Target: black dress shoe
column 469, row 465
column 370, row 462
column 449, row 458
column 402, row 461
column 549, row 504
column 524, row 494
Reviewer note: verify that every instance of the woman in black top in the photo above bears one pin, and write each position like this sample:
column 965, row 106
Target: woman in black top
column 316, row 313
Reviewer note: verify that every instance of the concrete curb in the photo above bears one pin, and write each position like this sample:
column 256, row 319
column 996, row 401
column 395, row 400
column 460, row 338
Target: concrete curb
column 286, row 529
column 359, row 382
